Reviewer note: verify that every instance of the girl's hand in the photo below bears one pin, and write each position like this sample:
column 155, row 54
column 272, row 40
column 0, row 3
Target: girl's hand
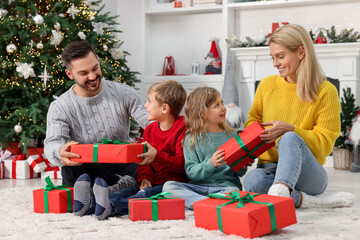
column 277, row 130
column 217, row 158
column 149, row 156
column 145, row 184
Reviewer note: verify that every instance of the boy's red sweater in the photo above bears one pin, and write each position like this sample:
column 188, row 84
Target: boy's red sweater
column 169, row 161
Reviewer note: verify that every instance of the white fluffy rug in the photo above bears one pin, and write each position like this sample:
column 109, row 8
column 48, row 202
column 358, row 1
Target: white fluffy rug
column 18, row 221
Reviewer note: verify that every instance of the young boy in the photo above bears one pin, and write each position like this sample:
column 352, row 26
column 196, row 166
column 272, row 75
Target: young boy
column 164, row 104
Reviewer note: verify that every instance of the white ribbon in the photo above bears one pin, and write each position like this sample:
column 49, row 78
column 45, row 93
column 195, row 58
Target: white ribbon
column 4, row 155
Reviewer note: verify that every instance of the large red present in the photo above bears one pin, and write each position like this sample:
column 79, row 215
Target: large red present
column 246, row 214
column 157, row 207
column 53, row 199
column 245, row 146
column 113, row 151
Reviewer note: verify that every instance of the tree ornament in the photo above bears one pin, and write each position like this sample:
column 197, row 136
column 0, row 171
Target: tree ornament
column 57, row 26
column 45, row 76
column 116, row 53
column 3, row 12
column 73, row 11
column 3, row 65
column 11, row 48
column 25, row 70
column 18, row 128
column 82, row 35
column 38, row 19
column 98, row 27
column 40, row 45
column 105, row 47
column 56, row 38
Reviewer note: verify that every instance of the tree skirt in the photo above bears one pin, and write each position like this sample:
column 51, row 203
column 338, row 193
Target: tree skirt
column 18, row 221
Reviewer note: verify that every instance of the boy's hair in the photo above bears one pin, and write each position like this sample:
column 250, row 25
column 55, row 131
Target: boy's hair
column 76, row 50
column 309, row 72
column 196, row 111
column 172, row 93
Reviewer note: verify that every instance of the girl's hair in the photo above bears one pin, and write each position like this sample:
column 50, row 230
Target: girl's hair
column 195, row 114
column 309, row 72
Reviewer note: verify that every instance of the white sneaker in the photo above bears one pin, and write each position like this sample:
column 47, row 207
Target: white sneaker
column 279, row 189
column 336, row 200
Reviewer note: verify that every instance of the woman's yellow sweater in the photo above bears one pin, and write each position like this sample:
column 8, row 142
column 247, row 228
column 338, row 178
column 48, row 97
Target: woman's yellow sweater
column 317, row 123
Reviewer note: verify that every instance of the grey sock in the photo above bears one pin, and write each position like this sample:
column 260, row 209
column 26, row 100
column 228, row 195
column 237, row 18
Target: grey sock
column 82, row 196
column 103, row 207
column 123, row 182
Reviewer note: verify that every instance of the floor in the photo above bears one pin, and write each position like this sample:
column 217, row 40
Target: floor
column 339, row 181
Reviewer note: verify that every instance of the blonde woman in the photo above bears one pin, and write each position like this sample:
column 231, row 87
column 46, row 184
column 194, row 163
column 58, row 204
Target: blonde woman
column 300, row 111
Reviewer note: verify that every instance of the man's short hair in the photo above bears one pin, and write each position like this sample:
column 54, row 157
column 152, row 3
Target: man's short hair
column 76, row 50
column 172, row 93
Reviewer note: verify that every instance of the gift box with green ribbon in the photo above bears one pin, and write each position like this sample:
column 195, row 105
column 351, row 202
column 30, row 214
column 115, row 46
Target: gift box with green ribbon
column 245, row 214
column 245, row 146
column 53, row 199
column 157, row 207
column 110, row 151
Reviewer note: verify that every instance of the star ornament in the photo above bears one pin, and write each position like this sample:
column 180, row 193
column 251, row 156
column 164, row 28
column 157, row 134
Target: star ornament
column 99, row 27
column 73, row 11
column 45, row 76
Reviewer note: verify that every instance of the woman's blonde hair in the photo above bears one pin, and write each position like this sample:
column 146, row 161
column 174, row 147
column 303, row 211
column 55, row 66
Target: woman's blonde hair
column 309, row 72
column 196, row 114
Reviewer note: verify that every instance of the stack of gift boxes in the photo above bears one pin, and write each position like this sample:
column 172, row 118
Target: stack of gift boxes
column 241, row 213
column 15, row 165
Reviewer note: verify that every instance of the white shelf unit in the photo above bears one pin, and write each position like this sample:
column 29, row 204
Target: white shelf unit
column 185, row 33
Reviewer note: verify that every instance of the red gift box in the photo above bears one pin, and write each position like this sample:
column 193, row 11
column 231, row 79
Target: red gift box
column 157, row 207
column 246, row 214
column 245, row 146
column 35, row 151
column 108, row 153
column 53, row 199
column 14, row 148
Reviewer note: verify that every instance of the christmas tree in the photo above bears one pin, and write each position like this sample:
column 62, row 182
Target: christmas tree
column 33, row 34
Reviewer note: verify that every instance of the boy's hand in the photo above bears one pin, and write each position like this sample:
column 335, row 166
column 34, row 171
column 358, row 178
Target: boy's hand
column 145, row 184
column 149, row 156
column 65, row 154
column 217, row 158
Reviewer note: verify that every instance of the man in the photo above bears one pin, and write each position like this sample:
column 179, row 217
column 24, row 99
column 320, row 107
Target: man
column 92, row 109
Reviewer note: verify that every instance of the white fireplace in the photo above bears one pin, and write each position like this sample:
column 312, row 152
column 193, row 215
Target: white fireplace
column 340, row 61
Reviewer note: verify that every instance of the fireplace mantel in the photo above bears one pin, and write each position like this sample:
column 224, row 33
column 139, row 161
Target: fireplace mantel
column 340, row 61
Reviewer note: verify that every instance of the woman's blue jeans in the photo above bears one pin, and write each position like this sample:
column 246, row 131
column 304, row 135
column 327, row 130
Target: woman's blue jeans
column 296, row 167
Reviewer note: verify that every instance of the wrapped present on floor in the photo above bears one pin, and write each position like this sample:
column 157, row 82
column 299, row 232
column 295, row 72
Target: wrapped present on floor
column 157, row 207
column 14, row 148
column 246, row 214
column 53, row 199
column 111, row 151
column 39, row 162
column 245, row 146
column 52, row 172
column 4, row 155
column 35, row 151
column 19, row 168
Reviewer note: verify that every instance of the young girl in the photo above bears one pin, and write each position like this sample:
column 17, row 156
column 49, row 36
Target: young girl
column 204, row 164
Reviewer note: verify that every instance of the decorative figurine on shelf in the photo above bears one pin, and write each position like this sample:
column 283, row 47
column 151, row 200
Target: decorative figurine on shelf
column 320, row 37
column 169, row 66
column 213, row 61
column 230, row 95
column 275, row 26
column 355, row 139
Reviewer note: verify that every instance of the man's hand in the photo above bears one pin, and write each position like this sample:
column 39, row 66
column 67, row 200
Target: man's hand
column 149, row 156
column 65, row 154
column 217, row 158
column 145, row 184
column 277, row 130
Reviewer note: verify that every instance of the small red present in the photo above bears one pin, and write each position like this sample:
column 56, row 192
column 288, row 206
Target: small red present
column 245, row 146
column 113, row 151
column 245, row 214
column 53, row 199
column 157, row 207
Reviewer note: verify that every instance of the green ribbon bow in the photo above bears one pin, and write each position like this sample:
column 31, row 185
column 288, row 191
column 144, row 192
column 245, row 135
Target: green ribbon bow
column 49, row 187
column 108, row 141
column 245, row 149
column 154, row 203
column 234, row 197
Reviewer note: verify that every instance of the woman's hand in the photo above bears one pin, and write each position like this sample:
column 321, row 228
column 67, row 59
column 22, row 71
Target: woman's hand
column 277, row 130
column 217, row 158
column 149, row 156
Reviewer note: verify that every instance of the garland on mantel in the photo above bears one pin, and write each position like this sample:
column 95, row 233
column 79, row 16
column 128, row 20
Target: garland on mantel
column 346, row 35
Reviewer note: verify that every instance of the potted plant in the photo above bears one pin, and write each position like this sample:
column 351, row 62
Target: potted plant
column 342, row 152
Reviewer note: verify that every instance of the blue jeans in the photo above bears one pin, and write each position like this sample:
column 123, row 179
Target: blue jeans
column 296, row 167
column 192, row 192
column 120, row 198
